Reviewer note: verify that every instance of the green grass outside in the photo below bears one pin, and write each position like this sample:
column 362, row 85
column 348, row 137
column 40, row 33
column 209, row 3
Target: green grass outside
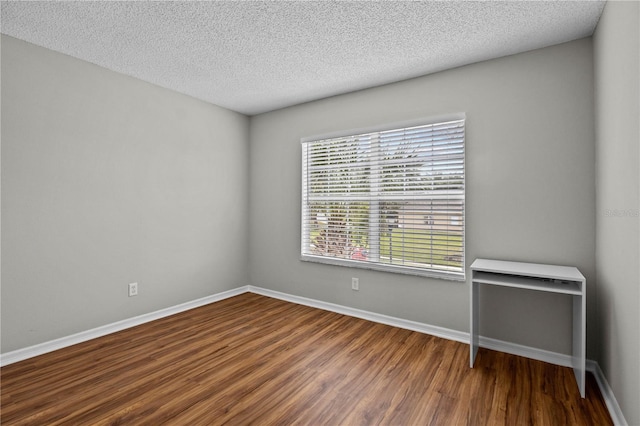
column 422, row 246
column 418, row 246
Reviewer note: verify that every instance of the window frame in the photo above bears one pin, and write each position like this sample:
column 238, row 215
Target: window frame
column 401, row 269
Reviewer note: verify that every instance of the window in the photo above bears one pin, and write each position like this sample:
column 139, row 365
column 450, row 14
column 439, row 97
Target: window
column 391, row 200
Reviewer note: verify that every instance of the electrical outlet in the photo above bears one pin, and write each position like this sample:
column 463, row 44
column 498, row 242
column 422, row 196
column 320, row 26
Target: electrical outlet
column 133, row 289
column 355, row 284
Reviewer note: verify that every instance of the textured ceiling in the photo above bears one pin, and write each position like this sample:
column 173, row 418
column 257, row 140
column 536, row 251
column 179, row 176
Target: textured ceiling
column 254, row 56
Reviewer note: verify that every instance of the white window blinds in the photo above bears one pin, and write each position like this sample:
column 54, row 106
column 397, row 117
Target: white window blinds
column 390, row 200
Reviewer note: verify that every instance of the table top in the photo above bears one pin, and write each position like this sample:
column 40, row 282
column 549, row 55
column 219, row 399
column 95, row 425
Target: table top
column 568, row 273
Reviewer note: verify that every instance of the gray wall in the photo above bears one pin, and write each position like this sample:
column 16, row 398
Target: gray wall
column 108, row 180
column 617, row 75
column 530, row 190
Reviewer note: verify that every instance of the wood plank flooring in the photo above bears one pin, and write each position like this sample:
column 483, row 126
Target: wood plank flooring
column 252, row 359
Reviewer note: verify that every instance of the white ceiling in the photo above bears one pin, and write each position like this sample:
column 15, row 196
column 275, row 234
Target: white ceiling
column 256, row 56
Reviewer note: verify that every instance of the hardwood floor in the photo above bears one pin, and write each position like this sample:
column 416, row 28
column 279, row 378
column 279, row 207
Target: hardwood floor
column 251, row 359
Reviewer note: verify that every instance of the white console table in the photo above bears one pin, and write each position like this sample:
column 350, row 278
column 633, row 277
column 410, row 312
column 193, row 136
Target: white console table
column 532, row 276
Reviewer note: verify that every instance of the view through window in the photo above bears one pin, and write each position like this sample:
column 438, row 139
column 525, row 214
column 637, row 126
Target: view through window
column 390, row 200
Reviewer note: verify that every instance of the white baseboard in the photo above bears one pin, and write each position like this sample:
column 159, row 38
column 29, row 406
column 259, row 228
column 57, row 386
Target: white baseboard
column 446, row 333
column 83, row 336
column 459, row 336
column 525, row 351
column 371, row 316
column 607, row 394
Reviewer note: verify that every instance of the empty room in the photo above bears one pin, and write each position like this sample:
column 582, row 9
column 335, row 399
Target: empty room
column 320, row 213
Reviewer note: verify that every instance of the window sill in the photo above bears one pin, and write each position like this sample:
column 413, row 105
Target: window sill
column 407, row 270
